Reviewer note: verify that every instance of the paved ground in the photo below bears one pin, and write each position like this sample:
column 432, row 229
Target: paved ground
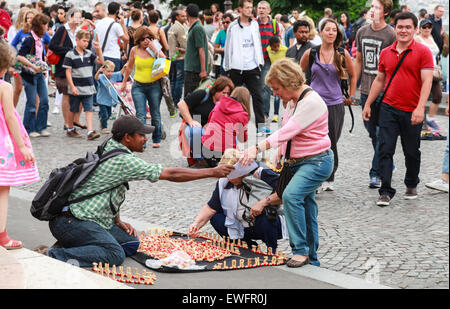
column 404, row 245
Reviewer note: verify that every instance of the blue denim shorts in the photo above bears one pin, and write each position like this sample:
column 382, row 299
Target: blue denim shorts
column 86, row 100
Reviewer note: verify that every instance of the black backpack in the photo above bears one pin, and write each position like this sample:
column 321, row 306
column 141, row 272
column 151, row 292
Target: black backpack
column 54, row 195
column 356, row 26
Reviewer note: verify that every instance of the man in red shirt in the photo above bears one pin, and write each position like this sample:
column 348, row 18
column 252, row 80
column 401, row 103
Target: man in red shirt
column 402, row 111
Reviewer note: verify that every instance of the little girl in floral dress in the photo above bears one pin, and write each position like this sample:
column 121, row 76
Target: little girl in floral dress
column 17, row 164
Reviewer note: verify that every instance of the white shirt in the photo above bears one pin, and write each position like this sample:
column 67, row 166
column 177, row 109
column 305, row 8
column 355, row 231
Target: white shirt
column 112, row 48
column 72, row 35
column 248, row 48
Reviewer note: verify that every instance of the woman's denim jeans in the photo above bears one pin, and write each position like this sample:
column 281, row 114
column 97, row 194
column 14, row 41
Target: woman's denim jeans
column 153, row 94
column 32, row 121
column 194, row 136
column 87, row 242
column 300, row 207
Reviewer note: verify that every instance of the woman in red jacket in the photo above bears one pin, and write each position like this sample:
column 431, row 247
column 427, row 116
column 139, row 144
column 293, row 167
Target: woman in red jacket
column 227, row 123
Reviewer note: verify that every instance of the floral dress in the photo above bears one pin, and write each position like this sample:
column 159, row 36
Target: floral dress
column 14, row 170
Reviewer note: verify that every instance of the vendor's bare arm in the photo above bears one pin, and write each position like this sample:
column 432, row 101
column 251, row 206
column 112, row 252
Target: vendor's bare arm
column 185, row 174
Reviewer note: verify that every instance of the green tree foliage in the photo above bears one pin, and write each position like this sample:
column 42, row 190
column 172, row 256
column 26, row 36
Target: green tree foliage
column 313, row 8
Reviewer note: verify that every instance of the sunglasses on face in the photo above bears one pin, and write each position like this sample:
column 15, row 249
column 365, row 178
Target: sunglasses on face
column 427, row 27
column 226, row 22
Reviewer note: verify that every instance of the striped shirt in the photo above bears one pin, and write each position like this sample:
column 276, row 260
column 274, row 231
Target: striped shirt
column 82, row 67
column 266, row 31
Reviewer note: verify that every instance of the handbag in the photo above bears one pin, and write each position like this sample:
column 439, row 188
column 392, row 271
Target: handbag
column 376, row 105
column 161, row 67
column 437, row 71
column 31, row 57
column 52, row 57
column 286, row 172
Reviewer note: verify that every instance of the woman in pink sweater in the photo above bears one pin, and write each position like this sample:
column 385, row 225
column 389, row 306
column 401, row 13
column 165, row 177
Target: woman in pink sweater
column 305, row 125
column 227, row 123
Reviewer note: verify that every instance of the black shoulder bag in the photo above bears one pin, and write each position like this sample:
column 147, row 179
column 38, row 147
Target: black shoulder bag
column 286, row 173
column 375, row 107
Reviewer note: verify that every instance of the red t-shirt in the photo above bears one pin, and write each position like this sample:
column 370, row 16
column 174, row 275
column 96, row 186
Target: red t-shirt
column 404, row 91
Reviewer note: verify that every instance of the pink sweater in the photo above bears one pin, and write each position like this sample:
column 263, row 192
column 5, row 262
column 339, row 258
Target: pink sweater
column 226, row 121
column 308, row 128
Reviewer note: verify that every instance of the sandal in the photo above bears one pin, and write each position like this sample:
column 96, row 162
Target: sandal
column 13, row 244
column 80, row 125
column 156, row 145
column 8, row 243
column 294, row 263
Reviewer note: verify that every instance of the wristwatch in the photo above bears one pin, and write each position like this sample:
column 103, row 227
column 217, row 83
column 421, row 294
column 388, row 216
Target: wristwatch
column 268, row 199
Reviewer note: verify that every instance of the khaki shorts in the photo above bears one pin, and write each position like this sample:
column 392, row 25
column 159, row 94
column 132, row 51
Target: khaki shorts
column 62, row 85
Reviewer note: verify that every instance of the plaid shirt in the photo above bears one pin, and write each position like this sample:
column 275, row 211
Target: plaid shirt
column 109, row 174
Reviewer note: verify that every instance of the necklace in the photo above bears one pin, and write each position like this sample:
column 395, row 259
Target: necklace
column 327, row 61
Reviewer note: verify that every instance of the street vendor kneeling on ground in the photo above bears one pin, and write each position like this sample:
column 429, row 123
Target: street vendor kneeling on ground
column 238, row 207
column 88, row 231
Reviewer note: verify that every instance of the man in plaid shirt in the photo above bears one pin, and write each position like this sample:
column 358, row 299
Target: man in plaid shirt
column 91, row 230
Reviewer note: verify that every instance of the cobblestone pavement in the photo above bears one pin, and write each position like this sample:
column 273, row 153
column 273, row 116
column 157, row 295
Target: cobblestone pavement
column 404, row 245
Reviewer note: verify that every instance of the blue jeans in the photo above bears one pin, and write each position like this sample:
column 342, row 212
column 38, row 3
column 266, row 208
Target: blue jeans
column 266, row 91
column 394, row 123
column 153, row 94
column 104, row 114
column 263, row 229
column 373, row 130
column 300, row 207
column 87, row 242
column 194, row 136
column 177, row 80
column 276, row 105
column 32, row 121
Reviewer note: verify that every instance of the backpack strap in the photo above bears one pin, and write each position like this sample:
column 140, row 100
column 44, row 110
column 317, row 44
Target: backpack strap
column 206, row 96
column 312, row 58
column 106, row 36
column 108, row 155
column 274, row 26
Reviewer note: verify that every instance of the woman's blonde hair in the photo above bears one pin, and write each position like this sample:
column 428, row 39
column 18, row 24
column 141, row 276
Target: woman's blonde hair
column 25, row 26
column 242, row 95
column 312, row 26
column 230, row 156
column 287, row 72
column 20, row 17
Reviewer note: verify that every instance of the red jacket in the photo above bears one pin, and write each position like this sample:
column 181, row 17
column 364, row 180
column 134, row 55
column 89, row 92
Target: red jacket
column 226, row 121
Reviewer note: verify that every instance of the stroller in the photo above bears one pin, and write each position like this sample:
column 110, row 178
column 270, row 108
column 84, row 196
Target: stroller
column 125, row 102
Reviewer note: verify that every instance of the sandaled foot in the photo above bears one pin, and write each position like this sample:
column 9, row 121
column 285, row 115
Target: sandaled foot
column 156, row 145
column 41, row 249
column 13, row 244
column 297, row 261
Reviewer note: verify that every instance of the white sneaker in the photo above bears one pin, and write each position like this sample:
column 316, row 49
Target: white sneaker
column 439, row 184
column 49, row 124
column 45, row 133
column 327, row 186
column 34, row 134
column 55, row 110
